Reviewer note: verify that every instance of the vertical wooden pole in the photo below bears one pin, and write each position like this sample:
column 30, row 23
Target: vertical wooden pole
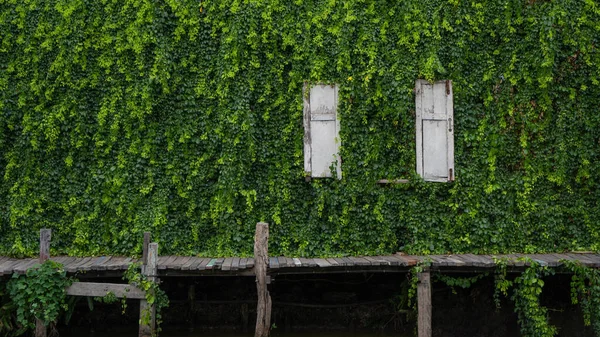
column 145, row 248
column 424, row 302
column 261, row 260
column 147, row 330
column 45, row 237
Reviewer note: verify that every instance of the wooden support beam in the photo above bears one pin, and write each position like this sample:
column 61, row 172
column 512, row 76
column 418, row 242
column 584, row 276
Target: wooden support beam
column 147, row 330
column 261, row 259
column 145, row 248
column 101, row 289
column 45, row 237
column 424, row 303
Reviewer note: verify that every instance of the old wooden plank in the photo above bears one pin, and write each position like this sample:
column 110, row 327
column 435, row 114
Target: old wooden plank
column 24, row 265
column 180, row 262
column 359, row 261
column 406, row 260
column 333, row 262
column 235, row 263
column 273, row 262
column 250, row 263
column 103, row 265
column 219, row 263
column 290, row 262
column 243, row 262
column 211, row 264
column 282, row 261
column 322, row 263
column 9, row 266
column 394, row 261
column 91, row 265
column 167, row 263
column 297, row 262
column 340, row 261
column 227, row 264
column 72, row 267
column 202, row 263
column 101, row 289
column 348, row 261
column 586, row 261
column 189, row 263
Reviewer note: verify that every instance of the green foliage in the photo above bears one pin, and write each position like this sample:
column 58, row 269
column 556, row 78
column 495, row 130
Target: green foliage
column 532, row 316
column 39, row 294
column 154, row 295
column 585, row 290
column 462, row 282
column 8, row 316
column 184, row 118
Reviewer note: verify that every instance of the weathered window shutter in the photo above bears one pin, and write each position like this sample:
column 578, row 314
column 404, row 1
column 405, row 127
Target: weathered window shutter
column 321, row 130
column 435, row 130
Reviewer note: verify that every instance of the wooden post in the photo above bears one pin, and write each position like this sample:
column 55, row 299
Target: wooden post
column 45, row 237
column 145, row 248
column 261, row 260
column 147, row 330
column 424, row 302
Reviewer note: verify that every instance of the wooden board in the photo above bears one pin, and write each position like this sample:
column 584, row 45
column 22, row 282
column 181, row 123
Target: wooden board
column 101, row 289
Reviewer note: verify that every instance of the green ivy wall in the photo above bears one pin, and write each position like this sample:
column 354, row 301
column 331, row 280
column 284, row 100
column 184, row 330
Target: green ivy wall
column 184, row 118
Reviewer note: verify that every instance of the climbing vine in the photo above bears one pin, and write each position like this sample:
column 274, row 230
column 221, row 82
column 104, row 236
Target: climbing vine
column 39, row 294
column 585, row 290
column 527, row 288
column 154, row 295
column 184, row 118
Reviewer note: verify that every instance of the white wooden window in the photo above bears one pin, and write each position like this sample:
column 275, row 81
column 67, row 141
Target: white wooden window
column 321, row 130
column 435, row 130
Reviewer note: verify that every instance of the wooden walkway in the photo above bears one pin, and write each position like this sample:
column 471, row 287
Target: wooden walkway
column 190, row 266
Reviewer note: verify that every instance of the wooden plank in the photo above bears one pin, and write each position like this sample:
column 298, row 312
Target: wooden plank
column 69, row 261
column 235, row 263
column 359, row 261
column 308, row 262
column 24, row 265
column 8, row 266
column 219, row 263
column 91, row 265
column 182, row 260
column 211, row 264
column 101, row 289
column 297, row 262
column 282, row 262
column 340, row 261
column 583, row 259
column 167, row 263
column 348, row 261
column 103, row 265
column 250, row 263
column 202, row 263
column 187, row 265
column 243, row 262
column 332, row 262
column 393, row 261
column 227, row 264
column 322, row 263
column 377, row 262
column 72, row 267
column 273, row 263
column 424, row 305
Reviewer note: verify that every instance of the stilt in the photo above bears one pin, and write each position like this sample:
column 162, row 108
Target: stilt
column 45, row 237
column 424, row 302
column 261, row 260
column 147, row 330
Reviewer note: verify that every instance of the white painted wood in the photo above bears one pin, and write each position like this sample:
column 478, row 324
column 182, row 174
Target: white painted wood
column 321, row 130
column 101, row 289
column 434, row 130
column 306, row 122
